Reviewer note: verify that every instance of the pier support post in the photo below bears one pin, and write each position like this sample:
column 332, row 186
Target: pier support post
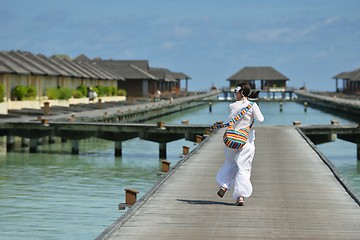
column 162, row 150
column 33, row 145
column 118, row 149
column 24, row 142
column 51, row 139
column 210, row 106
column 281, row 106
column 75, row 147
column 358, row 151
column 10, row 142
column 305, row 106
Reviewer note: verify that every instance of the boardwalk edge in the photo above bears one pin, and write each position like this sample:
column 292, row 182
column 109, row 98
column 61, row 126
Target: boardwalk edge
column 332, row 168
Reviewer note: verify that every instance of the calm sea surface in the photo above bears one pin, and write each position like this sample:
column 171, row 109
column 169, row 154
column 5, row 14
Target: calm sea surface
column 55, row 195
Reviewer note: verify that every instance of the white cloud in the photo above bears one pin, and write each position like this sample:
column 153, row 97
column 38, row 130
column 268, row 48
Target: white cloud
column 180, row 31
column 168, row 45
column 320, row 25
column 298, row 32
column 269, row 35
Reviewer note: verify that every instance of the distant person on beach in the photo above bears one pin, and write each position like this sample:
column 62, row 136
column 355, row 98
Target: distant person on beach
column 92, row 95
column 236, row 170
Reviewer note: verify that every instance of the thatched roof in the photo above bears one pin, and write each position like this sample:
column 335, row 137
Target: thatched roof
column 257, row 73
column 351, row 75
column 165, row 74
column 19, row 66
column 26, row 63
column 129, row 69
column 181, row 75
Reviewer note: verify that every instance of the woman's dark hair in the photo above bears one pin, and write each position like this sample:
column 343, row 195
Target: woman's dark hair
column 245, row 89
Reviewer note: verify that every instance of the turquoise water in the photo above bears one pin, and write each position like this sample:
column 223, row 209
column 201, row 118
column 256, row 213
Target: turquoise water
column 55, row 195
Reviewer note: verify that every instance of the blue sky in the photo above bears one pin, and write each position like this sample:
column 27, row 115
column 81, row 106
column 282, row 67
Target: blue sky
column 309, row 41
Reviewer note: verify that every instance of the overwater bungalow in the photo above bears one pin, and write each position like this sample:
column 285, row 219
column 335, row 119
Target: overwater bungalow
column 350, row 82
column 138, row 81
column 169, row 81
column 144, row 81
column 270, row 79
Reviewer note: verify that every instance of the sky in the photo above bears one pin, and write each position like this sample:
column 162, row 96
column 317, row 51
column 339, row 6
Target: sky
column 309, row 41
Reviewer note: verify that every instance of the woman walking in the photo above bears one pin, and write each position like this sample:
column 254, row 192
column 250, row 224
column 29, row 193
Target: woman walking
column 236, row 170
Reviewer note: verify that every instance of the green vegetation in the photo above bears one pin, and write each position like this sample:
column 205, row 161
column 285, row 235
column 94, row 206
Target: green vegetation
column 83, row 90
column 59, row 93
column 108, row 91
column 121, row 92
column 29, row 93
column 23, row 93
column 78, row 94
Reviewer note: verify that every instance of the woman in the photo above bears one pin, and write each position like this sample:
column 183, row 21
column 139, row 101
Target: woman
column 235, row 172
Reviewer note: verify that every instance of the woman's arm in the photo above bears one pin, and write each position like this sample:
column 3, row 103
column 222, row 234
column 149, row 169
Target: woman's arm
column 257, row 113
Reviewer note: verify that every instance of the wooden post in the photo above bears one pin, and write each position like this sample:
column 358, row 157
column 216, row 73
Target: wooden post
column 161, row 125
column 296, row 123
column 305, row 106
column 45, row 122
column 72, row 118
column 99, row 103
column 185, row 150
column 199, row 138
column 281, row 106
column 130, row 196
column 210, row 106
column 165, row 166
column 185, row 121
column 46, row 109
column 333, row 136
column 334, row 122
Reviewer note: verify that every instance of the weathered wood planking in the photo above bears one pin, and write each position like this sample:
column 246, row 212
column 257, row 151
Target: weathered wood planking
column 296, row 196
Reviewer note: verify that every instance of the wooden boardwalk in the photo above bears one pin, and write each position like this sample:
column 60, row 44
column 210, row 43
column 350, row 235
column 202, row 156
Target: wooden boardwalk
column 296, row 196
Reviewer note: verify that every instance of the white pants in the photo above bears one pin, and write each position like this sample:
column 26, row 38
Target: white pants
column 236, row 170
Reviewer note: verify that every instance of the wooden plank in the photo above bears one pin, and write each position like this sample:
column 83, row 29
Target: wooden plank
column 295, row 196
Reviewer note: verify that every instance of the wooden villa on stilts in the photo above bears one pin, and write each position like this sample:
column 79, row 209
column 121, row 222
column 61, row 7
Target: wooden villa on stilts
column 270, row 80
column 350, row 83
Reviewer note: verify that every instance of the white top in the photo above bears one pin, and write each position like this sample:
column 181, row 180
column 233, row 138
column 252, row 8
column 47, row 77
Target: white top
column 253, row 113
